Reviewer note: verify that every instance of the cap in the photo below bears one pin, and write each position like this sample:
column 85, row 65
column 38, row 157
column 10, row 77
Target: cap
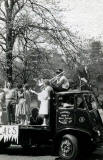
column 59, row 71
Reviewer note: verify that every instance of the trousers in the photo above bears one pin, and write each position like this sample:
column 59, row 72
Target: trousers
column 11, row 112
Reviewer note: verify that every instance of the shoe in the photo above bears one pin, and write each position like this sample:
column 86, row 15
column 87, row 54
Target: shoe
column 25, row 123
column 44, row 124
column 28, row 122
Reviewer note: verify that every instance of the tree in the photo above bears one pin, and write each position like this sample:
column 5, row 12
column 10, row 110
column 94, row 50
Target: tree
column 96, row 52
column 9, row 9
column 28, row 23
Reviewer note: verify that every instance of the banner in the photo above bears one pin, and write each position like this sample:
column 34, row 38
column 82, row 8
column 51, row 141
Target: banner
column 9, row 133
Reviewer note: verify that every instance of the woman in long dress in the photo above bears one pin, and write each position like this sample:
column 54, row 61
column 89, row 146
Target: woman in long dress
column 44, row 97
column 21, row 107
column 27, row 97
column 45, row 101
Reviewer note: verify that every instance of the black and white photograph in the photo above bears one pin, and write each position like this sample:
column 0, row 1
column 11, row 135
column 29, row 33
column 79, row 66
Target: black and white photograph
column 51, row 79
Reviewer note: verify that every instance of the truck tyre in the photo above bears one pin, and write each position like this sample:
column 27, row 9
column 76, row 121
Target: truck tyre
column 68, row 147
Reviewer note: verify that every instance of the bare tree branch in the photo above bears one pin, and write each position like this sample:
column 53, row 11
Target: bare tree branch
column 2, row 36
column 3, row 12
column 19, row 8
column 2, row 19
column 2, row 48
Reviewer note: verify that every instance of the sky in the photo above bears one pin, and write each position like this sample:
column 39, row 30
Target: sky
column 83, row 16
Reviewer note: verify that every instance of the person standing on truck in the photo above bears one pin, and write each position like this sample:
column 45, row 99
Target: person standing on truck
column 2, row 103
column 40, row 82
column 27, row 97
column 44, row 98
column 20, row 107
column 62, row 83
column 45, row 101
column 11, row 100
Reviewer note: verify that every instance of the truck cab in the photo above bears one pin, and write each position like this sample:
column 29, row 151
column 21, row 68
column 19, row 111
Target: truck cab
column 74, row 124
column 78, row 122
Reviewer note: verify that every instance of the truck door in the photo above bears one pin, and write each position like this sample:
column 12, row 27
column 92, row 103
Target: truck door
column 93, row 107
column 81, row 113
column 65, row 111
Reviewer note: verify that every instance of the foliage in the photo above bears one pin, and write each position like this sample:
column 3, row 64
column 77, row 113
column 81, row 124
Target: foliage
column 29, row 29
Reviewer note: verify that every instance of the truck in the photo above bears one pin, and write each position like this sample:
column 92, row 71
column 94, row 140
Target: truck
column 75, row 126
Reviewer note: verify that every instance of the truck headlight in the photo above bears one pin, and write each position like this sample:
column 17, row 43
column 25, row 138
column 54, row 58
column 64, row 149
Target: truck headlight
column 98, row 132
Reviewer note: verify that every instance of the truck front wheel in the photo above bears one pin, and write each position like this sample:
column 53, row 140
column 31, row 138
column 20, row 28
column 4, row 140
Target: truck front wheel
column 68, row 147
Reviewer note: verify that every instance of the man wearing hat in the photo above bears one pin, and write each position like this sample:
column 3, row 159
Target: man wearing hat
column 62, row 82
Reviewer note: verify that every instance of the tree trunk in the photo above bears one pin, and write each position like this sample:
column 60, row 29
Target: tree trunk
column 9, row 49
column 9, row 66
column 9, row 41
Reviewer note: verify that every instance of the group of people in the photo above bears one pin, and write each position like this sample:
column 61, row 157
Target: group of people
column 23, row 112
column 57, row 84
column 17, row 100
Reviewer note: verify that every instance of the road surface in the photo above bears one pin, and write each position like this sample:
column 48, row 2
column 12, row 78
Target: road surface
column 17, row 153
column 42, row 153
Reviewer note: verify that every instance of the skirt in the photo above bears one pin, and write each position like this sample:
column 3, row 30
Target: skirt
column 44, row 107
column 21, row 107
